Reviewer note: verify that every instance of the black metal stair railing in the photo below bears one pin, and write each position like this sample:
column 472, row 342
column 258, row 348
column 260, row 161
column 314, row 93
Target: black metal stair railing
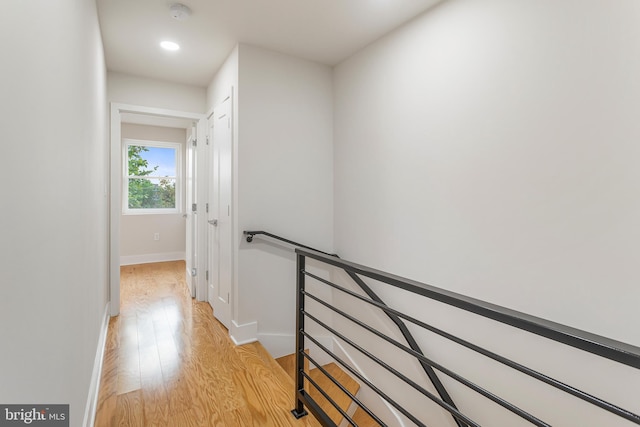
column 441, row 390
column 612, row 350
column 601, row 346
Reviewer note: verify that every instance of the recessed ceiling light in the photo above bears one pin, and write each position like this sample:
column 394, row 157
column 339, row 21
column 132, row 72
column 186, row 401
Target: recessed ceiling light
column 167, row 45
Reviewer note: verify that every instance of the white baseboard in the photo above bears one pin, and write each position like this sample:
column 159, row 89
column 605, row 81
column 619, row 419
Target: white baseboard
column 94, row 386
column 149, row 258
column 278, row 345
column 243, row 334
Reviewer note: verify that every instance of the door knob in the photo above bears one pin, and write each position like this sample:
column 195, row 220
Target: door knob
column 213, row 222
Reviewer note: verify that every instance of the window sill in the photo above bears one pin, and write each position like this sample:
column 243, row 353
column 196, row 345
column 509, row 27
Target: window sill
column 152, row 212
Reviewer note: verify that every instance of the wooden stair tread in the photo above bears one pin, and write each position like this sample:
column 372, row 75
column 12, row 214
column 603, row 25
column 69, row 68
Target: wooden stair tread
column 339, row 397
column 362, row 419
column 288, row 363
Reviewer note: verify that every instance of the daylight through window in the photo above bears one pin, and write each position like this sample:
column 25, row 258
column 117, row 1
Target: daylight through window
column 152, row 177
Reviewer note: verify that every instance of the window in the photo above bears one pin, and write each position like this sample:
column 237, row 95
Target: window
column 152, row 178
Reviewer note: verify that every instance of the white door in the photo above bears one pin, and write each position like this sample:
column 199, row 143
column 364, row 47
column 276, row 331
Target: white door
column 220, row 215
column 191, row 254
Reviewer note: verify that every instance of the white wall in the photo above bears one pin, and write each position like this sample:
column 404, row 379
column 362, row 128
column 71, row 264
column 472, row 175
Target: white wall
column 128, row 89
column 225, row 78
column 500, row 157
column 285, row 175
column 53, row 251
column 283, row 178
column 137, row 244
column 489, row 147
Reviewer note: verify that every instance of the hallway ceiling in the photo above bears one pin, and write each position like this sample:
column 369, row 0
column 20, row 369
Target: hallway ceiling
column 325, row 31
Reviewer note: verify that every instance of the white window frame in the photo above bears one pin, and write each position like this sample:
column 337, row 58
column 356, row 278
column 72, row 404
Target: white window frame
column 125, row 177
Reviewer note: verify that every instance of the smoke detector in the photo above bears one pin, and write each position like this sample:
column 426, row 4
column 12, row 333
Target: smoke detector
column 180, row 12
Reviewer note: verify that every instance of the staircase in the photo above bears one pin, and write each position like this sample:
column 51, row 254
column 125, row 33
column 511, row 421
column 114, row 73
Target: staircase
column 541, row 413
column 360, row 417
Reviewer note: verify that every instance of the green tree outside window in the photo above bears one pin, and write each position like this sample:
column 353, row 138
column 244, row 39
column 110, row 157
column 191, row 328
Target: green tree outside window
column 146, row 189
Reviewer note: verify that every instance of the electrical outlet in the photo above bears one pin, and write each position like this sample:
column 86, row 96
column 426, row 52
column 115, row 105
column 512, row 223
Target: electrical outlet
column 156, row 236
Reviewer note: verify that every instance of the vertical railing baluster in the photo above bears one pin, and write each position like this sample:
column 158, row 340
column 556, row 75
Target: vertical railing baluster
column 299, row 410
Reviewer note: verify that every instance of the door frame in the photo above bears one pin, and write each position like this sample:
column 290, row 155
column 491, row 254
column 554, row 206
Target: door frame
column 115, row 201
column 190, row 197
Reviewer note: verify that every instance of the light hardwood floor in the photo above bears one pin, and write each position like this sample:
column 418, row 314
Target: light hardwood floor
column 168, row 362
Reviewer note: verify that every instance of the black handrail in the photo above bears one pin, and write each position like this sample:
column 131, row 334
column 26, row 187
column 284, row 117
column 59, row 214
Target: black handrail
column 441, row 390
column 608, row 348
column 605, row 347
column 602, row 346
column 250, row 235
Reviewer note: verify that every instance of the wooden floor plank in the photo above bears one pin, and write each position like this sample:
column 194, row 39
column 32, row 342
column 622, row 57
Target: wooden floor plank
column 156, row 405
column 106, row 411
column 169, row 362
column 129, row 409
